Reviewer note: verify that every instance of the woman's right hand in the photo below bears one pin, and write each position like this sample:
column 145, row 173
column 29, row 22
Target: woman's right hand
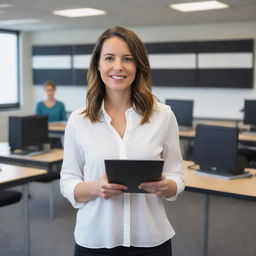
column 107, row 190
column 86, row 191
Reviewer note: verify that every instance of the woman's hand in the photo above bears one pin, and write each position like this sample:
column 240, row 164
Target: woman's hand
column 165, row 187
column 86, row 191
column 107, row 190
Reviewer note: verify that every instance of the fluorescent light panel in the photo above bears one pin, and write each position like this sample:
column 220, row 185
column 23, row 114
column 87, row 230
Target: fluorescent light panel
column 19, row 21
column 198, row 6
column 5, row 5
column 72, row 13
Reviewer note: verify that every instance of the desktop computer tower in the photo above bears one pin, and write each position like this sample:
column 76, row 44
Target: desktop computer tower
column 27, row 131
column 15, row 132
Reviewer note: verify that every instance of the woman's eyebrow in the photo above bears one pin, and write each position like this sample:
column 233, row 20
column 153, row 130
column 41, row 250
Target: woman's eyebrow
column 108, row 54
column 128, row 54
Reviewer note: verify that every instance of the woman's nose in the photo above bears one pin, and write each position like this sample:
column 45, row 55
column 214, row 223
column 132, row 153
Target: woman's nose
column 118, row 65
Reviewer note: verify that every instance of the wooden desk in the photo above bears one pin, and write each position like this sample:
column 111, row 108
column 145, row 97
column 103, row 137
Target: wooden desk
column 219, row 122
column 244, row 188
column 51, row 161
column 13, row 176
column 57, row 128
column 44, row 161
column 240, row 188
column 190, row 134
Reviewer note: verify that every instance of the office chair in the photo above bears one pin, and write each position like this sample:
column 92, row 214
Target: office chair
column 248, row 150
column 55, row 142
column 8, row 197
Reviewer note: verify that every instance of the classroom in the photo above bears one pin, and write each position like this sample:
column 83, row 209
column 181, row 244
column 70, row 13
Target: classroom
column 202, row 64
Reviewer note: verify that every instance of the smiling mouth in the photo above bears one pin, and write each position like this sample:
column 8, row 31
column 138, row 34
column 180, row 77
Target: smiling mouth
column 117, row 77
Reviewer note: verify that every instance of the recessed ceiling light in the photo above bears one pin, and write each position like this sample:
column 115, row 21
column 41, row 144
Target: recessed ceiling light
column 198, row 6
column 72, row 13
column 17, row 22
column 5, row 5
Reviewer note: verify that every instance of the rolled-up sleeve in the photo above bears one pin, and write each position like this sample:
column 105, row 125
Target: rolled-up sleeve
column 173, row 162
column 72, row 167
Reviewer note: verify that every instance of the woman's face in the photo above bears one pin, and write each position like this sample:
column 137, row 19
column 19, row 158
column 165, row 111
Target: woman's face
column 116, row 65
column 49, row 90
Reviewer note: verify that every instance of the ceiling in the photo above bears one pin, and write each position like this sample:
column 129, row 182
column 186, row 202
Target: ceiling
column 129, row 13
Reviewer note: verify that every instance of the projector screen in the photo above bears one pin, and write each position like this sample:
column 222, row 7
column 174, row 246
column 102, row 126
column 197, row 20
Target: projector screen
column 9, row 69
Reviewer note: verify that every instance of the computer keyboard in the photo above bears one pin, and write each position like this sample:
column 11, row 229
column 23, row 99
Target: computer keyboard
column 223, row 175
column 185, row 128
column 39, row 152
column 31, row 152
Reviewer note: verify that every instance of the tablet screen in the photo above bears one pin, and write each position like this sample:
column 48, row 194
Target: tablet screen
column 133, row 172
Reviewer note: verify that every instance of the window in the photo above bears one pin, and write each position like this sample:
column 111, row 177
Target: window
column 9, row 69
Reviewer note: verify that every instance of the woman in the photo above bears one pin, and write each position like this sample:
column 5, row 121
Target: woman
column 54, row 109
column 122, row 120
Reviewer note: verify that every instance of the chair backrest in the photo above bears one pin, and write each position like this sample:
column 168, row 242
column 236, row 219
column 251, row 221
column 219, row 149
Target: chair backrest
column 8, row 197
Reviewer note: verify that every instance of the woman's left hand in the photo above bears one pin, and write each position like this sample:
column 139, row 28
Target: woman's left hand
column 165, row 187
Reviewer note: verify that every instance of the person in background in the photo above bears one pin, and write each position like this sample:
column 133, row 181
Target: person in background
column 54, row 109
column 122, row 120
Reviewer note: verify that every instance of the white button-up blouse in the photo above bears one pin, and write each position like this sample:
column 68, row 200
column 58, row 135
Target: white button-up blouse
column 129, row 219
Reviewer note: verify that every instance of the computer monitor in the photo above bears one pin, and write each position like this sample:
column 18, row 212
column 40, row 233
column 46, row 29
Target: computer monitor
column 28, row 132
column 250, row 113
column 216, row 150
column 183, row 110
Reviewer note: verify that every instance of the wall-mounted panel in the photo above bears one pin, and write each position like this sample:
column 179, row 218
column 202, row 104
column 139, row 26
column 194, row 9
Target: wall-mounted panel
column 80, row 76
column 61, row 77
column 179, row 77
column 52, row 50
column 226, row 63
column 53, row 63
column 225, row 78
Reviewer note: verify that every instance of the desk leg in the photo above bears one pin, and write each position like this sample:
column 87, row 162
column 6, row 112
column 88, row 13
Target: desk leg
column 206, row 224
column 51, row 190
column 26, row 219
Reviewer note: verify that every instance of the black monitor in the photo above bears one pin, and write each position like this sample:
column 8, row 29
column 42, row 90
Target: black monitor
column 250, row 113
column 216, row 150
column 27, row 132
column 183, row 110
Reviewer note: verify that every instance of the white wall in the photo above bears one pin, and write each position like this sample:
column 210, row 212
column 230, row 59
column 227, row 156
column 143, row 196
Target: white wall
column 209, row 102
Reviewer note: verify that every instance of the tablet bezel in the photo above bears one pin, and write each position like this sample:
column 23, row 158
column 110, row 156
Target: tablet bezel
column 132, row 172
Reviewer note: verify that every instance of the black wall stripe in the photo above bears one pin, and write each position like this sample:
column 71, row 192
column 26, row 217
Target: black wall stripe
column 173, row 78
column 201, row 46
column 225, row 46
column 52, row 50
column 228, row 78
column 83, row 49
column 80, row 76
column 177, row 47
column 61, row 77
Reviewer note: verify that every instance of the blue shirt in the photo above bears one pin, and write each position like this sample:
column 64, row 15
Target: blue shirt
column 56, row 113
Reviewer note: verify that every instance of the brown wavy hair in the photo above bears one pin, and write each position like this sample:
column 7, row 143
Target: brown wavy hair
column 142, row 98
column 50, row 83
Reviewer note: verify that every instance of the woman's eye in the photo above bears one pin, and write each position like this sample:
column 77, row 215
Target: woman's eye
column 109, row 58
column 128, row 59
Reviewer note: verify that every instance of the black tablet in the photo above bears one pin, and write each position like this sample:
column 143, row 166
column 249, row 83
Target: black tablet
column 133, row 172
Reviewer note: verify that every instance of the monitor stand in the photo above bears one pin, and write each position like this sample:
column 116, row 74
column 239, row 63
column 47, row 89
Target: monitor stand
column 185, row 128
column 30, row 151
column 253, row 128
column 251, row 131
